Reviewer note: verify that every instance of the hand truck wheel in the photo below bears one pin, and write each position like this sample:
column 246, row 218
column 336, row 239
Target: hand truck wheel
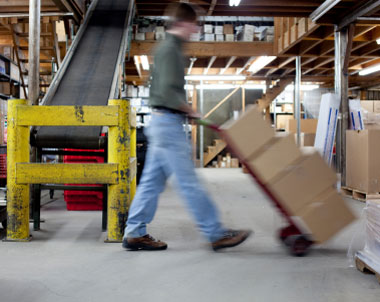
column 298, row 245
column 287, row 231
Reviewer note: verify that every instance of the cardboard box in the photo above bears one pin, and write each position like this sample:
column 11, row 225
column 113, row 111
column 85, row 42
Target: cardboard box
column 234, row 163
column 307, row 126
column 208, row 28
column 195, row 37
column 362, row 160
column 5, row 88
column 160, row 29
column 209, row 37
column 302, row 182
column 376, row 106
column 149, row 36
column 160, row 36
column 249, row 133
column 307, row 139
column 219, row 30
column 288, row 108
column 326, row 215
column 248, row 29
column 282, row 120
column 367, row 105
column 219, row 38
column 274, row 158
column 140, row 36
column 228, row 29
column 230, row 37
column 15, row 72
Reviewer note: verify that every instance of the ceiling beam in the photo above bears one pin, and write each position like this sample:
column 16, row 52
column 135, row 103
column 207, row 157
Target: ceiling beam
column 212, row 7
column 208, row 49
column 370, row 6
column 323, row 9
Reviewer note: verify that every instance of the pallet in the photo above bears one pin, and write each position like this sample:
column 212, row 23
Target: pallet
column 359, row 195
column 366, row 269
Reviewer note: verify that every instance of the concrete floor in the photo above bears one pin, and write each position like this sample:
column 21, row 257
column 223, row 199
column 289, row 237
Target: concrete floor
column 68, row 261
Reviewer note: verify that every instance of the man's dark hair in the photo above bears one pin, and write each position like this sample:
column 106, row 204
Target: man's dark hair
column 181, row 12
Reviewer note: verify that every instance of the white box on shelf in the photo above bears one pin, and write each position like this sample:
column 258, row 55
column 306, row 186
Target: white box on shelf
column 219, row 30
column 140, row 36
column 208, row 28
column 230, row 38
column 209, row 37
column 219, row 38
column 160, row 29
column 160, row 36
column 195, row 37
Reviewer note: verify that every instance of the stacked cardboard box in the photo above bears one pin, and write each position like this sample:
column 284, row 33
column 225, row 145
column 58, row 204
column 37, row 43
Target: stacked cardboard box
column 225, row 162
column 247, row 34
column 362, row 160
column 301, row 182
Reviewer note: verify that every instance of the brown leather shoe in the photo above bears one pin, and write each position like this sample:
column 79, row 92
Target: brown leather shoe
column 146, row 242
column 231, row 238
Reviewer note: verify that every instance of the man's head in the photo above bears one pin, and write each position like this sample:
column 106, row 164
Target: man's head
column 183, row 20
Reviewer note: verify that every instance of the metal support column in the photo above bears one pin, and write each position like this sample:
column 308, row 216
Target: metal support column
column 297, row 99
column 119, row 153
column 18, row 195
column 133, row 151
column 34, row 51
column 201, row 128
column 341, row 89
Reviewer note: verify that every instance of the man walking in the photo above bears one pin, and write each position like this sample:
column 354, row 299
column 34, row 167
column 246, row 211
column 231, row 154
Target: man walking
column 169, row 152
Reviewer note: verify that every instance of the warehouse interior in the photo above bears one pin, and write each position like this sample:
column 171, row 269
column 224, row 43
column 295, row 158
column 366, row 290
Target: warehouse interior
column 288, row 144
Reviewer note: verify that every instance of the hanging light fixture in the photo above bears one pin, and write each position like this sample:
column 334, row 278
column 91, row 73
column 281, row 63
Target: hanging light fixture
column 234, row 2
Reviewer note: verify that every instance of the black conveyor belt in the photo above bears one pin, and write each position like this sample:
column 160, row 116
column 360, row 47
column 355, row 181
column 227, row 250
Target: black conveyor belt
column 89, row 75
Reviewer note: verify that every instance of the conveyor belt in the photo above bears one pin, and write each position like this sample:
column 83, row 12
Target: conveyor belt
column 89, row 75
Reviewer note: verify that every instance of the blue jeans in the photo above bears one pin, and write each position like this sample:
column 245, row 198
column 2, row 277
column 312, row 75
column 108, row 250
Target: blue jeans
column 170, row 153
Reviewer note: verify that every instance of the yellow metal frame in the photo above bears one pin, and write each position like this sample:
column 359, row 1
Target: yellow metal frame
column 119, row 173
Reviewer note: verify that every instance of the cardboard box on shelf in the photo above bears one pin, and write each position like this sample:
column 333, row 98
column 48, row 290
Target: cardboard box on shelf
column 219, row 30
column 302, row 182
column 230, row 37
column 209, row 37
column 228, row 29
column 274, row 157
column 249, row 133
column 326, row 215
column 219, row 38
column 288, row 108
column 160, row 36
column 160, row 29
column 15, row 72
column 5, row 88
column 195, row 37
column 208, row 28
column 149, row 36
column 362, row 160
column 7, row 51
column 248, row 29
column 140, row 36
column 307, row 125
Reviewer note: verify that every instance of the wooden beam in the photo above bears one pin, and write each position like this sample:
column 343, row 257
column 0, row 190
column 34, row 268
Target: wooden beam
column 212, row 7
column 212, row 60
column 208, row 49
